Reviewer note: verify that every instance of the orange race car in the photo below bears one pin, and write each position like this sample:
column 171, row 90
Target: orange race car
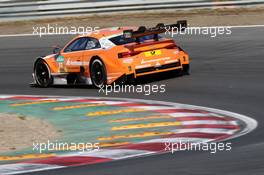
column 110, row 55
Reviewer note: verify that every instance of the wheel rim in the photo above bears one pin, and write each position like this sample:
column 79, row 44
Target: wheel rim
column 98, row 73
column 42, row 74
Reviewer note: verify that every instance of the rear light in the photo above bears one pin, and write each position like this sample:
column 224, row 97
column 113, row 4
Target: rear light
column 127, row 54
column 123, row 55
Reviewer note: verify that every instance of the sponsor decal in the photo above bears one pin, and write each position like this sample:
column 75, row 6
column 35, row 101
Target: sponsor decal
column 60, row 59
column 76, row 63
column 153, row 53
column 154, row 60
column 143, row 66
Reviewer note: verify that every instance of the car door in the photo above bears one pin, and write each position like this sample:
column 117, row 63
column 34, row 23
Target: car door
column 72, row 55
column 92, row 48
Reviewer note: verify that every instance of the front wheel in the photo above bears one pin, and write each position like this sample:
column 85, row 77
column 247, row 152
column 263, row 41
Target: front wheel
column 98, row 73
column 42, row 74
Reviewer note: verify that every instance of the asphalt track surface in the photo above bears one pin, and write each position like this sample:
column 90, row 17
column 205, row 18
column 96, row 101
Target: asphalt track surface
column 226, row 73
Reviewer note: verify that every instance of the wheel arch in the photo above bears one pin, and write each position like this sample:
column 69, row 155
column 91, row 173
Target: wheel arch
column 93, row 58
column 101, row 59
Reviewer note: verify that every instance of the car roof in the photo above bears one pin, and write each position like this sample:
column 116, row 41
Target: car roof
column 107, row 32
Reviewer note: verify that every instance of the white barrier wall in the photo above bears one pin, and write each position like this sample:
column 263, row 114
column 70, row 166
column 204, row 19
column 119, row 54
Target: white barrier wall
column 10, row 10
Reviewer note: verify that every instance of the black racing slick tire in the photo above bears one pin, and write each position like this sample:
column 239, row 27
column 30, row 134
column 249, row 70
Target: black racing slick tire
column 186, row 69
column 42, row 74
column 98, row 73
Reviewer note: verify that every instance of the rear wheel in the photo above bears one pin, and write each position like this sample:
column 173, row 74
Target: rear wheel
column 186, row 69
column 42, row 74
column 98, row 73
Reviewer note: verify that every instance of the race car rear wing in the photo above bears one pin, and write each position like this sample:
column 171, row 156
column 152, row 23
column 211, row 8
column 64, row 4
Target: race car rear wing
column 160, row 28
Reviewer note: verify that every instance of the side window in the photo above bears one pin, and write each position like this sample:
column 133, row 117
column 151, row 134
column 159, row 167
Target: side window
column 92, row 43
column 76, row 45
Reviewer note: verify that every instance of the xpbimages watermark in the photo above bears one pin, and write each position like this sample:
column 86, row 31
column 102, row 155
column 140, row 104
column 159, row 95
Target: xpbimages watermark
column 64, row 146
column 213, row 31
column 143, row 89
column 63, row 30
column 212, row 147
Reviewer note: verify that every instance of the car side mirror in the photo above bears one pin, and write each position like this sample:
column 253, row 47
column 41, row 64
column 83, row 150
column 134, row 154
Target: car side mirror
column 56, row 50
